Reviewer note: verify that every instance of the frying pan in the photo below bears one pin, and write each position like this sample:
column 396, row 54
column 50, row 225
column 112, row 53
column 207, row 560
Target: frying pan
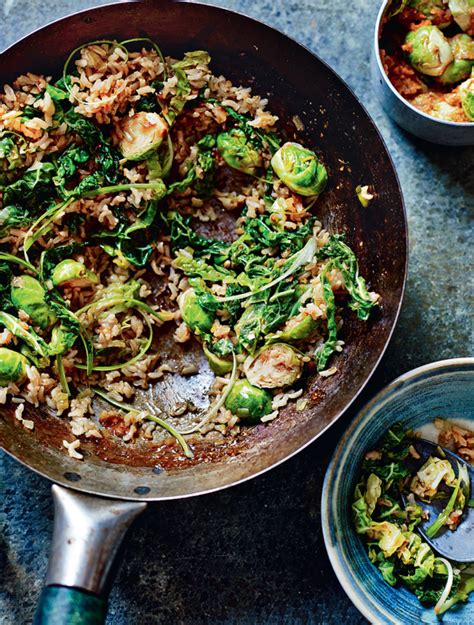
column 106, row 491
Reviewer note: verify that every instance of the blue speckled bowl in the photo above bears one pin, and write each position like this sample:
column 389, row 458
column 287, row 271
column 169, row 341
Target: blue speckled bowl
column 444, row 388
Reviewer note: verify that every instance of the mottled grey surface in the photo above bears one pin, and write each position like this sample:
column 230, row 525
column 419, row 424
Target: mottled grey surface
column 255, row 554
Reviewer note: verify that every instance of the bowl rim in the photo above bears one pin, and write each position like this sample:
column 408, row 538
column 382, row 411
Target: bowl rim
column 361, row 599
column 442, row 122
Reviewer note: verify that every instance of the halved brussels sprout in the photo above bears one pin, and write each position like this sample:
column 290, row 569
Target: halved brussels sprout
column 28, row 295
column 373, row 492
column 274, row 366
column 238, row 152
column 248, row 402
column 462, row 46
column 197, row 318
column 300, row 169
column 428, row 50
column 463, row 14
column 467, row 97
column 433, row 10
column 12, row 366
column 142, row 135
column 428, row 478
column 219, row 365
column 298, row 328
column 389, row 535
column 455, row 72
column 72, row 273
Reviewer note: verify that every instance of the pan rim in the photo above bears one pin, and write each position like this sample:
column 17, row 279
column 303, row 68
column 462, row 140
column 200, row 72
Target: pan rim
column 77, row 486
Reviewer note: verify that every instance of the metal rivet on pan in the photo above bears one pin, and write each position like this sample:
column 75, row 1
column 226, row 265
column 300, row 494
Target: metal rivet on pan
column 72, row 477
column 157, row 469
column 142, row 490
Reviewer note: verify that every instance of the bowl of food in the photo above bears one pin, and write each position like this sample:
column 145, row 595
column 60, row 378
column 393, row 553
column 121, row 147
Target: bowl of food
column 422, row 66
column 380, row 538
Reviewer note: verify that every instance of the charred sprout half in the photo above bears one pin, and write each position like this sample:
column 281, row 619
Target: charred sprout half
column 300, row 169
column 142, row 135
column 428, row 50
column 275, row 366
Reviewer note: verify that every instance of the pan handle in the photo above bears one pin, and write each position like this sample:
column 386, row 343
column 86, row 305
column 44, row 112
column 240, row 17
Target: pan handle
column 87, row 533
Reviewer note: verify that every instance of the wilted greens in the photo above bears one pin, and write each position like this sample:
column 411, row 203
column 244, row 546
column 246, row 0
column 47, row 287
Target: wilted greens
column 112, row 198
column 389, row 526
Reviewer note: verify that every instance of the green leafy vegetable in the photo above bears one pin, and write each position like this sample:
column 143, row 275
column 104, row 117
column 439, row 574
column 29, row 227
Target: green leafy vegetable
column 388, row 525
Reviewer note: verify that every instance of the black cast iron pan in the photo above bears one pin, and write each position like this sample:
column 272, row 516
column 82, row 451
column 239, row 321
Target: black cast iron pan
column 124, row 476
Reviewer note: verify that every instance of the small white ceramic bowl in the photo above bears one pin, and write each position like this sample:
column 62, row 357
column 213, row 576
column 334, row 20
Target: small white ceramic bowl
column 405, row 114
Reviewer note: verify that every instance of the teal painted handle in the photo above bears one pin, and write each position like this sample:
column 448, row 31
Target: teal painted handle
column 60, row 605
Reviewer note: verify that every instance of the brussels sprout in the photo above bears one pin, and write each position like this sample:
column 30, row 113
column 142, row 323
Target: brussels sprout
column 248, row 402
column 297, row 329
column 142, row 135
column 427, row 480
column 72, row 273
column 274, row 366
column 434, row 10
column 12, row 366
column 219, row 365
column 300, row 169
column 428, row 50
column 467, row 97
column 28, row 295
column 237, row 151
column 389, row 535
column 462, row 47
column 455, row 72
column 373, row 492
column 463, row 14
column 194, row 315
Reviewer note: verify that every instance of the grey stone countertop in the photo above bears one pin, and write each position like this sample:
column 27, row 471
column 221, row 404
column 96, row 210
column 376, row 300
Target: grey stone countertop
column 255, row 553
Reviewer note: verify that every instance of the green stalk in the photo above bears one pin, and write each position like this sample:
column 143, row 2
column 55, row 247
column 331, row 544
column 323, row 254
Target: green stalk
column 157, row 185
column 435, row 527
column 62, row 375
column 9, row 258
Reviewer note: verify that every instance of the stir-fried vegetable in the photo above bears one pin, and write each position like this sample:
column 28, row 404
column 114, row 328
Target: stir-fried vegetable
column 428, row 50
column 249, row 402
column 467, row 97
column 142, row 135
column 12, row 366
column 300, row 169
column 28, row 295
column 275, row 366
column 389, row 526
column 112, row 198
column 238, row 152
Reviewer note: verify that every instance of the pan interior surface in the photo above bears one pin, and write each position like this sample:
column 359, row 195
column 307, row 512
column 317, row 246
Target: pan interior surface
column 297, row 84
